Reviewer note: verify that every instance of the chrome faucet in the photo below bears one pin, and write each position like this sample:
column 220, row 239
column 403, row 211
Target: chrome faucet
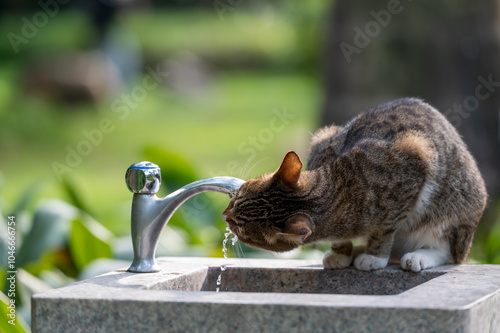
column 151, row 214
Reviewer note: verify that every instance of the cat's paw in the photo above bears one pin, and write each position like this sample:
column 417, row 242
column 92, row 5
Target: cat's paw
column 367, row 262
column 333, row 260
column 416, row 261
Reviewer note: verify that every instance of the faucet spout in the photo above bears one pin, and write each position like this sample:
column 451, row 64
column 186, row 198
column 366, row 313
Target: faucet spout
column 151, row 214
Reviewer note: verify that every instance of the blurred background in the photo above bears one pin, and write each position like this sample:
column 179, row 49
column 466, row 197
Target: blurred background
column 209, row 88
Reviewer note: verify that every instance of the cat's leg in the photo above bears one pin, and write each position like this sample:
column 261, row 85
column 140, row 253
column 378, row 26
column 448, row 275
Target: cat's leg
column 340, row 255
column 378, row 251
column 427, row 257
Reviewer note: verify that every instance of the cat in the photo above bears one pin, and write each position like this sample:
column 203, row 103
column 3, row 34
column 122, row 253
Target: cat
column 398, row 175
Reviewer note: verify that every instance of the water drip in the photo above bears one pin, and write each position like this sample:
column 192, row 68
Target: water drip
column 224, row 249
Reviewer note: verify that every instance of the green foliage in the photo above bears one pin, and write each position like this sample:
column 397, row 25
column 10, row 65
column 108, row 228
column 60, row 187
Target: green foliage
column 27, row 196
column 49, row 232
column 176, row 171
column 492, row 246
column 74, row 197
column 20, row 325
column 89, row 241
column 241, row 44
column 60, row 242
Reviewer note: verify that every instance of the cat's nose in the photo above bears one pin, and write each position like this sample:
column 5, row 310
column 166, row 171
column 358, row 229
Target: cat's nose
column 227, row 216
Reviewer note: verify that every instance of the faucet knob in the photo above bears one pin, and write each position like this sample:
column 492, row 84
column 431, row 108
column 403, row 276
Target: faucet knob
column 143, row 177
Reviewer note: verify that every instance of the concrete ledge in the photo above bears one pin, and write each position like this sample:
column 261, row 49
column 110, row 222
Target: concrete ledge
column 463, row 298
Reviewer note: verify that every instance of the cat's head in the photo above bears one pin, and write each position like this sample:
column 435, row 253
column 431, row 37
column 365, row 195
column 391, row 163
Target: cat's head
column 270, row 212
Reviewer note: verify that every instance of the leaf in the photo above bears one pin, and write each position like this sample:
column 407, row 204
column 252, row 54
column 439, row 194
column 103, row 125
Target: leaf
column 3, row 241
column 73, row 195
column 88, row 241
column 176, row 171
column 50, row 229
column 32, row 284
column 495, row 260
column 20, row 325
column 59, row 259
column 55, row 278
column 27, row 196
column 492, row 247
column 102, row 266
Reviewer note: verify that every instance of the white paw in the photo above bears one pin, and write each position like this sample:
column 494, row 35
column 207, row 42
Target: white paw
column 367, row 262
column 336, row 260
column 416, row 261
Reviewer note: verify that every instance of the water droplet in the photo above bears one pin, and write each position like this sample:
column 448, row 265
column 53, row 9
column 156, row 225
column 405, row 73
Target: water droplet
column 224, row 249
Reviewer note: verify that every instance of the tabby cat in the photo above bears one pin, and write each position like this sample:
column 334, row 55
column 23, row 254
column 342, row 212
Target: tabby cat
column 397, row 175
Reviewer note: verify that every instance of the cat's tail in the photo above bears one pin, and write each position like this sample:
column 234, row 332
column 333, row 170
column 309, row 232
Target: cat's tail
column 460, row 239
column 474, row 202
column 461, row 235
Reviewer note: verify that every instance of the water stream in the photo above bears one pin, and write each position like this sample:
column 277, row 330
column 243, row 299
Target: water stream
column 224, row 249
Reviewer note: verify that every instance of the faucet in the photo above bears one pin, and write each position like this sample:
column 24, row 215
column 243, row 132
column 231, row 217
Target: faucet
column 151, row 214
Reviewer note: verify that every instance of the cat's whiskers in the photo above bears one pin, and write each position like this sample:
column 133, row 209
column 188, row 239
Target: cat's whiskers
column 242, row 171
column 245, row 175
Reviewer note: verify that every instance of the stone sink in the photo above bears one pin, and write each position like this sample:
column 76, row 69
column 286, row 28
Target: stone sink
column 259, row 295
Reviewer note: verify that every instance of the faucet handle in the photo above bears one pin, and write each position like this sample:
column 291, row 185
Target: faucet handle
column 143, row 177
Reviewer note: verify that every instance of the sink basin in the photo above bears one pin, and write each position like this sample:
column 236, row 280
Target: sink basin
column 275, row 296
column 312, row 280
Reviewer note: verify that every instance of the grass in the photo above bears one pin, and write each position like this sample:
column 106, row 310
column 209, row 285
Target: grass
column 255, row 58
column 206, row 131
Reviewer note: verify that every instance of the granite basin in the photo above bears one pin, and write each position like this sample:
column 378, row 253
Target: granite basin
column 310, row 279
column 275, row 296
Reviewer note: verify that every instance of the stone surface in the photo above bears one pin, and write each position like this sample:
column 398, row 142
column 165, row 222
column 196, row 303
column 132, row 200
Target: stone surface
column 275, row 296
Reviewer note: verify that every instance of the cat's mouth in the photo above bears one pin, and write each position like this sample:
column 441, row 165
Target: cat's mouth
column 231, row 222
column 265, row 242
column 229, row 219
column 228, row 216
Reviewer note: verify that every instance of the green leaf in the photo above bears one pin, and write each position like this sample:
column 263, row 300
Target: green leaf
column 88, row 241
column 19, row 326
column 51, row 225
column 55, row 278
column 176, row 171
column 102, row 266
column 74, row 196
column 492, row 247
column 3, row 241
column 27, row 196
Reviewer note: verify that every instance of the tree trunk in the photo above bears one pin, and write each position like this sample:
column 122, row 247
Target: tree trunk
column 446, row 52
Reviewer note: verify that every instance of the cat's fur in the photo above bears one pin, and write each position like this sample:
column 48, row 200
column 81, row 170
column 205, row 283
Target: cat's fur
column 398, row 175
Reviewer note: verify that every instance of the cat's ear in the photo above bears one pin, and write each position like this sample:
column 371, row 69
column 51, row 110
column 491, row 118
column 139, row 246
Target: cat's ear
column 297, row 229
column 289, row 171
